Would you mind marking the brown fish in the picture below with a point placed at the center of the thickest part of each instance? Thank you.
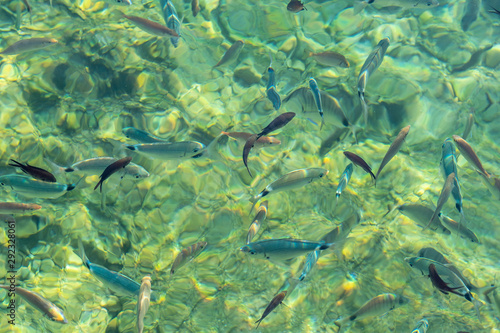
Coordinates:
(187, 254)
(17, 207)
(263, 141)
(272, 305)
(195, 7)
(295, 6)
(359, 162)
(394, 148)
(111, 169)
(151, 27)
(469, 154)
(443, 197)
(246, 150)
(34, 172)
(439, 283)
(330, 58)
(30, 44)
(231, 53)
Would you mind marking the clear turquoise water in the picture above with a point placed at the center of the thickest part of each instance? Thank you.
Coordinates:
(70, 102)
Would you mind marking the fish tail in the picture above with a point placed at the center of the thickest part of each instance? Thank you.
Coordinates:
(322, 122)
(73, 186)
(130, 147)
(81, 250)
(258, 322)
(364, 106)
(16, 163)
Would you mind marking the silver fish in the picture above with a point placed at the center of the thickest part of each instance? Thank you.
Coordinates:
(271, 92)
(468, 125)
(141, 136)
(371, 64)
(95, 166)
(421, 327)
(186, 255)
(169, 150)
(263, 141)
(313, 85)
(171, 19)
(231, 54)
(34, 188)
(421, 215)
(259, 218)
(282, 249)
(27, 45)
(449, 165)
(393, 149)
(311, 260)
(17, 208)
(443, 197)
(330, 59)
(407, 4)
(344, 180)
(459, 228)
(143, 302)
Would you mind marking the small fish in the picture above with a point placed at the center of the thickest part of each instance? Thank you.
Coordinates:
(195, 7)
(421, 215)
(117, 282)
(471, 12)
(311, 260)
(283, 249)
(291, 180)
(34, 188)
(449, 165)
(443, 197)
(469, 154)
(95, 166)
(272, 305)
(377, 306)
(141, 136)
(187, 254)
(259, 218)
(151, 27)
(27, 45)
(143, 302)
(40, 303)
(231, 54)
(313, 85)
(344, 180)
(468, 125)
(330, 59)
(393, 149)
(169, 150)
(271, 92)
(408, 4)
(246, 151)
(17, 208)
(35, 172)
(359, 162)
(263, 141)
(111, 169)
(295, 6)
(421, 327)
(371, 64)
(333, 140)
(171, 19)
(459, 228)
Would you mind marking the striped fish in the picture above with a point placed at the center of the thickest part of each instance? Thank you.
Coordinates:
(271, 92)
(171, 19)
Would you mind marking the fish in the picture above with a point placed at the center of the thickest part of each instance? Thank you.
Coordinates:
(34, 188)
(120, 284)
(168, 150)
(246, 151)
(469, 154)
(421, 327)
(27, 45)
(263, 141)
(293, 179)
(393, 149)
(39, 302)
(143, 302)
(141, 136)
(303, 100)
(471, 12)
(257, 221)
(17, 207)
(468, 125)
(442, 286)
(344, 180)
(195, 7)
(28, 8)
(271, 92)
(459, 228)
(449, 165)
(443, 197)
(35, 172)
(187, 254)
(171, 19)
(311, 260)
(494, 10)
(341, 231)
(492, 183)
(330, 59)
(359, 162)
(231, 54)
(115, 2)
(313, 85)
(295, 6)
(371, 64)
(151, 27)
(407, 4)
(111, 169)
(95, 166)
(282, 249)
(271, 306)
(377, 306)
(332, 140)
(421, 215)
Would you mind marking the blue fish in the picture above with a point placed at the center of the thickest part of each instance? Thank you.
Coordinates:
(311, 260)
(171, 19)
(271, 92)
(344, 180)
(141, 136)
(313, 85)
(283, 249)
(449, 166)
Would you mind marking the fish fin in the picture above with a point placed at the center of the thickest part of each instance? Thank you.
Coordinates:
(359, 6)
(364, 106)
(312, 121)
(16, 164)
(322, 123)
(130, 147)
(390, 209)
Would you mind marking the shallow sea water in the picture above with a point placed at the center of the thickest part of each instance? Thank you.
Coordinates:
(70, 102)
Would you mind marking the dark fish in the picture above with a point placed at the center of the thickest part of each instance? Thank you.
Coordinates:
(359, 162)
(34, 172)
(246, 150)
(394, 148)
(494, 10)
(111, 169)
(295, 6)
(439, 283)
(272, 305)
(231, 53)
(151, 27)
(195, 7)
(471, 13)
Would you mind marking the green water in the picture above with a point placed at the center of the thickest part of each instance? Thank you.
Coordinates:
(70, 101)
